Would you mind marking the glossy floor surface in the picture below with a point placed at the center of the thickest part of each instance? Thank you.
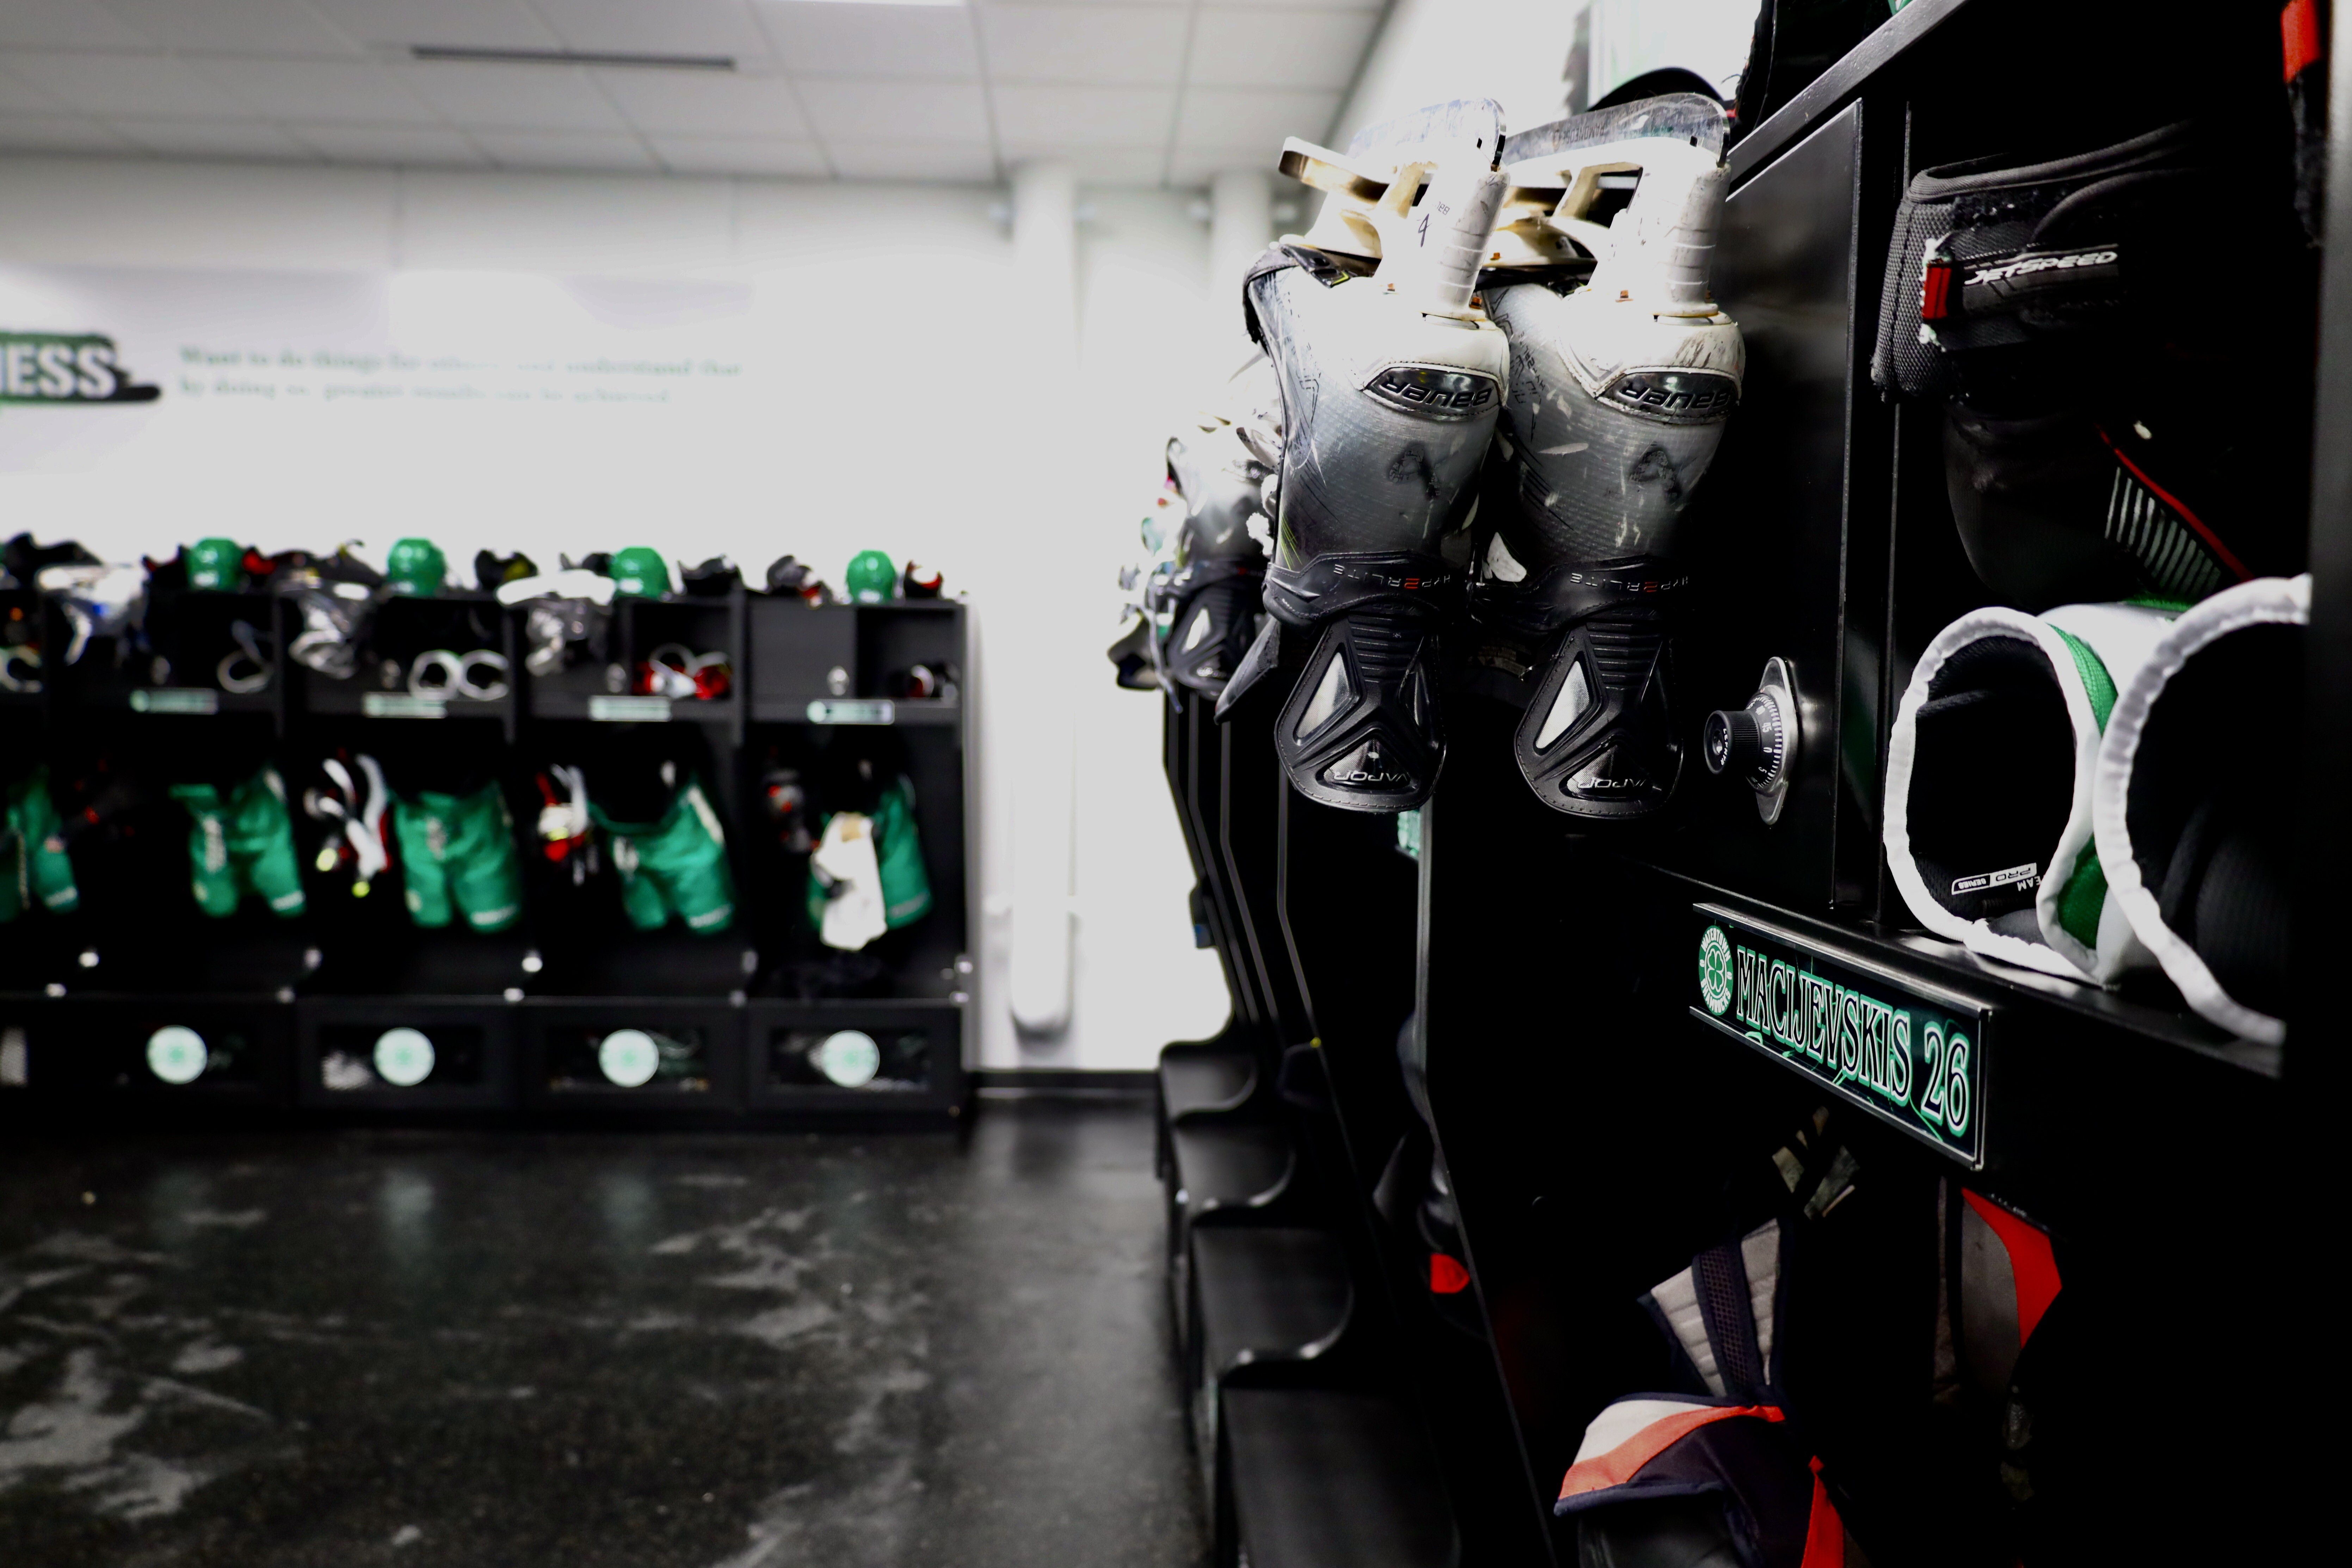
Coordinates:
(508, 1350)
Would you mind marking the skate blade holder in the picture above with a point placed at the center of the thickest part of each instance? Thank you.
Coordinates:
(1758, 743)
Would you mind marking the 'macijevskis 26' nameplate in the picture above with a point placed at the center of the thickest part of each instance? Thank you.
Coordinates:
(1909, 1055)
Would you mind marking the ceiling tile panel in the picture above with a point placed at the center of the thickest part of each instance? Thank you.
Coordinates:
(564, 150)
(353, 91)
(657, 26)
(214, 139)
(17, 93)
(145, 85)
(1199, 166)
(1279, 48)
(741, 155)
(57, 133)
(231, 27)
(1103, 165)
(417, 146)
(1036, 119)
(463, 23)
(815, 38)
(61, 24)
(1087, 45)
(894, 112)
(969, 165)
(702, 103)
(534, 98)
(1218, 118)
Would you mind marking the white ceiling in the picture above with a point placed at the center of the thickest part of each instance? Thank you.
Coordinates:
(1157, 92)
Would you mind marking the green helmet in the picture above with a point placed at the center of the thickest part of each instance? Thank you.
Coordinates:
(872, 578)
(215, 566)
(640, 572)
(415, 566)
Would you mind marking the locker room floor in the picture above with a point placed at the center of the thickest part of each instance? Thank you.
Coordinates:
(506, 1349)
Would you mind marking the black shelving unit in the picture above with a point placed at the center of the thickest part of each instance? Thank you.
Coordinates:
(323, 1014)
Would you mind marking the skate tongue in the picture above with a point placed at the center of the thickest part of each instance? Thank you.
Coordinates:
(1361, 730)
(1598, 737)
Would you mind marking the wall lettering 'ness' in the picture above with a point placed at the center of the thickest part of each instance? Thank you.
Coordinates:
(1855, 1038)
(65, 367)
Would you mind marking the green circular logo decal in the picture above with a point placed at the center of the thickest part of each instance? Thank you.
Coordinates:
(404, 1057)
(629, 1057)
(1715, 971)
(177, 1054)
(849, 1058)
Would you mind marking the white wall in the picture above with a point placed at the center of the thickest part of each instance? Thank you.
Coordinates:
(883, 311)
(1512, 51)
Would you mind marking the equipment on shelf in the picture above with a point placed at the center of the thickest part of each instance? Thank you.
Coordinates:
(2199, 858)
(415, 567)
(640, 572)
(2086, 457)
(1621, 381)
(493, 572)
(865, 873)
(787, 575)
(352, 806)
(479, 674)
(919, 582)
(1391, 379)
(713, 579)
(1206, 606)
(567, 617)
(871, 578)
(35, 869)
(458, 856)
(677, 671)
(214, 566)
(1989, 772)
(240, 843)
(675, 866)
(99, 600)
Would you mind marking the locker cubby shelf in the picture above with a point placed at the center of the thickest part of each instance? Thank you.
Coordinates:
(513, 1019)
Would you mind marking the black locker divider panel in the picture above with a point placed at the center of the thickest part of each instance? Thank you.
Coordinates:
(1776, 558)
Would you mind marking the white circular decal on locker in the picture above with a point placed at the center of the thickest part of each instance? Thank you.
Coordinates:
(629, 1057)
(404, 1057)
(849, 1058)
(177, 1054)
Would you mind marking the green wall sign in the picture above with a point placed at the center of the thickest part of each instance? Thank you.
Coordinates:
(1912, 1057)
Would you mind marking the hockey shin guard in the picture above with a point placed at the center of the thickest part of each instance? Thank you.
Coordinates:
(1619, 392)
(1391, 384)
(1988, 785)
(2199, 850)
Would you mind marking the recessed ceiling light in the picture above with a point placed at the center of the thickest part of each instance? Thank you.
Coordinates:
(875, 2)
(573, 57)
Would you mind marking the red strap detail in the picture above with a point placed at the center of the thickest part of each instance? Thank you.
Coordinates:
(1935, 291)
(1446, 1275)
(2191, 519)
(1825, 1531)
(2032, 1262)
(1623, 1462)
(2299, 35)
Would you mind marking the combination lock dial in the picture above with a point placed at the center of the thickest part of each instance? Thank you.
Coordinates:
(1758, 743)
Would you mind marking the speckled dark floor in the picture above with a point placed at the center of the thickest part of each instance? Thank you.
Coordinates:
(511, 1349)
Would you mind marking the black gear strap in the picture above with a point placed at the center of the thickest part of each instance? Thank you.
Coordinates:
(1309, 594)
(1570, 592)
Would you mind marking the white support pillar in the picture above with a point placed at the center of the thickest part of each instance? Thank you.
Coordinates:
(1241, 222)
(1034, 683)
